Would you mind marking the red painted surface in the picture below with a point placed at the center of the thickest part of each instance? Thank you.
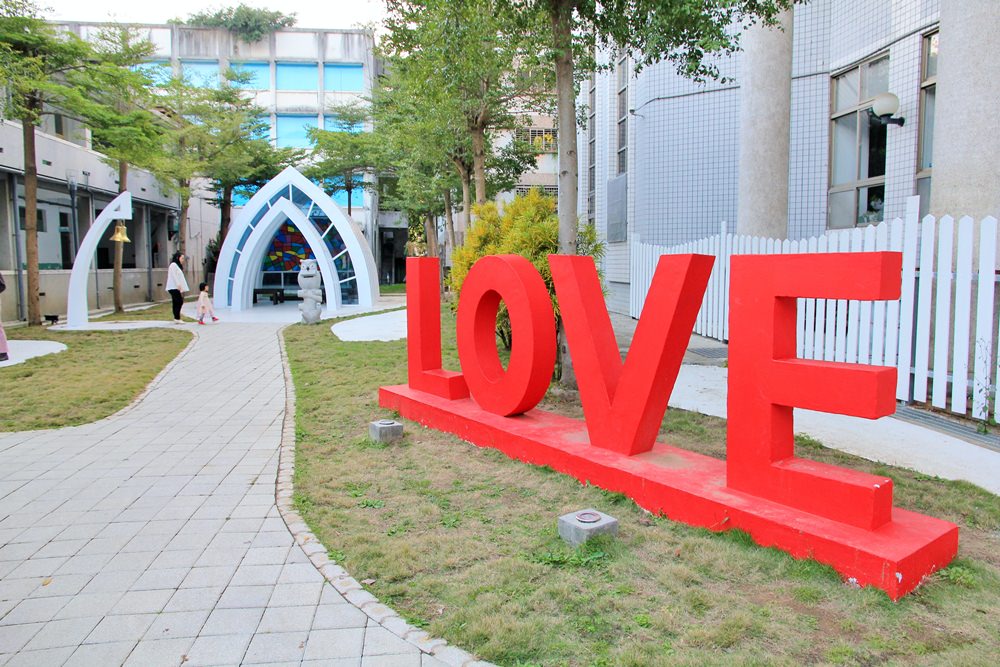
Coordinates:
(513, 279)
(766, 381)
(836, 516)
(624, 402)
(423, 330)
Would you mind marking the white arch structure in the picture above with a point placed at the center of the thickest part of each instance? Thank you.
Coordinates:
(250, 236)
(77, 315)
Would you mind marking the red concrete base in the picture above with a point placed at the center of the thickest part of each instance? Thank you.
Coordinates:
(691, 488)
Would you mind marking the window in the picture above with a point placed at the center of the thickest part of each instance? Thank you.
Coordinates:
(857, 147)
(928, 97)
(39, 217)
(334, 124)
(550, 190)
(344, 77)
(591, 148)
(201, 73)
(622, 78)
(258, 75)
(293, 131)
(59, 124)
(543, 139)
(158, 71)
(296, 76)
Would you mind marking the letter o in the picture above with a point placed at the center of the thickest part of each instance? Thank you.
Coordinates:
(512, 279)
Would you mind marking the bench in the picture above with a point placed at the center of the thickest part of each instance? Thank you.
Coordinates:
(276, 294)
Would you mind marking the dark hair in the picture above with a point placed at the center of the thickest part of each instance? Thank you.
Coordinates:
(202, 286)
(176, 258)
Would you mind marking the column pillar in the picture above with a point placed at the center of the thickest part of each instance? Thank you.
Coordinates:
(765, 115)
(966, 171)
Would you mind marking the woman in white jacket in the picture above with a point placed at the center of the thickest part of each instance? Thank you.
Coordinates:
(177, 284)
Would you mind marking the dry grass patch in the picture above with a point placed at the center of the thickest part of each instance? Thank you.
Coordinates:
(463, 541)
(100, 373)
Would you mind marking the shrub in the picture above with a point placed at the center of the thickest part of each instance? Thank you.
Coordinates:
(528, 226)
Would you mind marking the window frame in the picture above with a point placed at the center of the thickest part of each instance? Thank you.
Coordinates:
(924, 175)
(860, 107)
(621, 115)
(592, 150)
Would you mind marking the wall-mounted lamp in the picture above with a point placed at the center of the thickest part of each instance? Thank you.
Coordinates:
(883, 107)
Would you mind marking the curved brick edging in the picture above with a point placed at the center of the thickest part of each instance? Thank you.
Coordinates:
(341, 580)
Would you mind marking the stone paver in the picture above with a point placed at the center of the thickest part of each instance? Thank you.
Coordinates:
(152, 537)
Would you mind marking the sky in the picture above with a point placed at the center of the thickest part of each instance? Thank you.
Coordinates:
(309, 14)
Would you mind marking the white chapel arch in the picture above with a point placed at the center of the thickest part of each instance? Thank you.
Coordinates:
(252, 231)
(77, 314)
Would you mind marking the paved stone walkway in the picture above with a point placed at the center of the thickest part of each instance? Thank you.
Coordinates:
(152, 537)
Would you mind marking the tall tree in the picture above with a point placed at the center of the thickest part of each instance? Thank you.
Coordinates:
(44, 70)
(684, 32)
(486, 59)
(345, 155)
(239, 156)
(123, 128)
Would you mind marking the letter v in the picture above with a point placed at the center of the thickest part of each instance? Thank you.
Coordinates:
(624, 403)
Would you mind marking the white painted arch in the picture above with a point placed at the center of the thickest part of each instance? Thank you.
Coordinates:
(238, 268)
(77, 314)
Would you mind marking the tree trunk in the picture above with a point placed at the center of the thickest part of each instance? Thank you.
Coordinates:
(449, 219)
(225, 213)
(479, 162)
(562, 32)
(31, 215)
(182, 224)
(466, 177)
(348, 185)
(116, 280)
(430, 231)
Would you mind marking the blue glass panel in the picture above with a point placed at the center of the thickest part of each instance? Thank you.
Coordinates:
(257, 218)
(349, 292)
(243, 239)
(259, 75)
(301, 200)
(292, 130)
(357, 198)
(296, 76)
(346, 77)
(158, 71)
(345, 269)
(335, 244)
(319, 220)
(334, 124)
(229, 288)
(279, 195)
(232, 269)
(201, 73)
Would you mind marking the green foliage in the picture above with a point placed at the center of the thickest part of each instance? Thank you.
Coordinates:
(248, 23)
(342, 157)
(528, 226)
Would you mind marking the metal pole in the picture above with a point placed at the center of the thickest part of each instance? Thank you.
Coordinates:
(97, 274)
(147, 215)
(75, 235)
(21, 314)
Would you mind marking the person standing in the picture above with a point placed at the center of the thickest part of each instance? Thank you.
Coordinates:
(205, 304)
(177, 284)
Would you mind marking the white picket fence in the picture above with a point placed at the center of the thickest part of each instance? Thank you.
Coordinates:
(940, 335)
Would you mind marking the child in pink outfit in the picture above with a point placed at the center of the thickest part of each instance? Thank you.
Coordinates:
(205, 304)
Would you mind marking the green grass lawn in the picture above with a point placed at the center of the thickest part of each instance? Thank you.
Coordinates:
(100, 373)
(462, 541)
(399, 288)
(160, 311)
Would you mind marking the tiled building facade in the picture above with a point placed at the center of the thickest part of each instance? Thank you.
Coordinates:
(683, 139)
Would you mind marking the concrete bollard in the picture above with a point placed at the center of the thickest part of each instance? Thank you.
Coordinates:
(578, 527)
(385, 430)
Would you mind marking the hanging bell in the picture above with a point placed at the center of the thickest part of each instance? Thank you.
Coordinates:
(120, 234)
